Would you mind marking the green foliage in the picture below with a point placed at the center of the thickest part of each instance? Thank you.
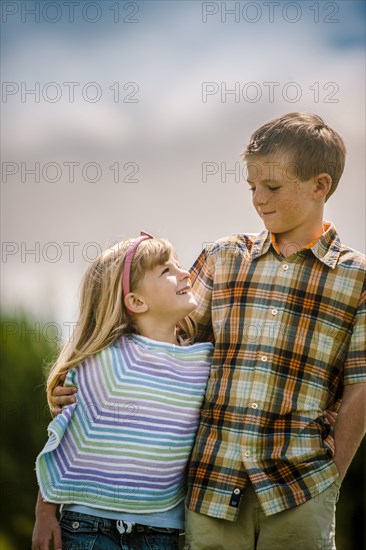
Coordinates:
(350, 520)
(26, 349)
(24, 419)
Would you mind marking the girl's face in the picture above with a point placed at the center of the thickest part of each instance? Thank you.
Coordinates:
(166, 290)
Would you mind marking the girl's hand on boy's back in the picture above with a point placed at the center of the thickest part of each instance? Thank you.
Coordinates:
(330, 417)
(63, 396)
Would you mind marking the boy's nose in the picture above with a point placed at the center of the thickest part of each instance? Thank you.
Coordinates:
(260, 197)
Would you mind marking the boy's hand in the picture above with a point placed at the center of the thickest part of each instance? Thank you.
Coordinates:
(62, 396)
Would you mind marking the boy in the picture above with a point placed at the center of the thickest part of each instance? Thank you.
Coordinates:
(286, 309)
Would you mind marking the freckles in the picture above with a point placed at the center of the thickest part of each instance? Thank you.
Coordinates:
(288, 205)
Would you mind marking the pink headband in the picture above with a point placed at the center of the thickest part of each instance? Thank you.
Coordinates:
(128, 261)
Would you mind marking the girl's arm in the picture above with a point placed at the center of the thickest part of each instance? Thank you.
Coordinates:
(47, 528)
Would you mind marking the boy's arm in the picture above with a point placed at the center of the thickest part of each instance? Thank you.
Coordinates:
(202, 285)
(350, 426)
(47, 528)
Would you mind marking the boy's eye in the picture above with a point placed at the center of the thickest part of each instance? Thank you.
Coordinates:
(251, 189)
(165, 270)
(273, 188)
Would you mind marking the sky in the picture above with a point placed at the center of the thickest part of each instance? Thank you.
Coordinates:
(126, 116)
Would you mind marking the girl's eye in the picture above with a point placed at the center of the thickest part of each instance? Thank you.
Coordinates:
(165, 270)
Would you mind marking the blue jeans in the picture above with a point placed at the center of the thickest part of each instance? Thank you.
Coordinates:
(84, 532)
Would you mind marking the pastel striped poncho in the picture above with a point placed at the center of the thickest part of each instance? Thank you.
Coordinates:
(126, 443)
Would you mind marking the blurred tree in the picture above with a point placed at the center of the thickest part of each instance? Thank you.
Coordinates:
(351, 507)
(26, 347)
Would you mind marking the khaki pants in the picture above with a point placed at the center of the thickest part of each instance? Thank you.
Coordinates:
(310, 526)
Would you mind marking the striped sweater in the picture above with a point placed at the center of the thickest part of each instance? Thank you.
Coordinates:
(126, 443)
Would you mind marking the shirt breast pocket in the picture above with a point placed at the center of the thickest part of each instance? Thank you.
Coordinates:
(328, 345)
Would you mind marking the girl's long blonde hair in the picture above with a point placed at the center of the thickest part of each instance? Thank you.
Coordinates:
(102, 315)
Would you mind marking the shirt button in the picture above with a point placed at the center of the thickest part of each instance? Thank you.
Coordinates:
(274, 311)
(254, 405)
(264, 358)
(285, 267)
(75, 525)
(236, 491)
(247, 453)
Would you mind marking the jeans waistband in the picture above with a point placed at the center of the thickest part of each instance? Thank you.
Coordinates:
(95, 522)
(130, 528)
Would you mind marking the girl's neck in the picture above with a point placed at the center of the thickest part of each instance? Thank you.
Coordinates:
(159, 333)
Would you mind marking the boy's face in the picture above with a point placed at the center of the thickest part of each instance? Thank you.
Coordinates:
(287, 205)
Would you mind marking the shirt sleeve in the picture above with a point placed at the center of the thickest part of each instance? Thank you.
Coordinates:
(355, 364)
(202, 284)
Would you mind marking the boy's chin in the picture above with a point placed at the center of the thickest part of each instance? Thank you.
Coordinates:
(271, 226)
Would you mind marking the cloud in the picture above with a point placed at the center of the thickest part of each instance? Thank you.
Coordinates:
(165, 60)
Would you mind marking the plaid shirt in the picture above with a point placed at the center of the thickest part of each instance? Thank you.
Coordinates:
(289, 332)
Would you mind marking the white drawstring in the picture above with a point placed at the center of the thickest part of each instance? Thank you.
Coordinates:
(120, 527)
(124, 526)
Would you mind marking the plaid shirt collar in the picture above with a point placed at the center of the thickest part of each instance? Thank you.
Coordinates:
(326, 249)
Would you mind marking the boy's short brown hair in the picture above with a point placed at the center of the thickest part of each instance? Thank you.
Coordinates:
(311, 145)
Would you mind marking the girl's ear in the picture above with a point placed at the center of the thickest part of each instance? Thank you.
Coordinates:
(135, 304)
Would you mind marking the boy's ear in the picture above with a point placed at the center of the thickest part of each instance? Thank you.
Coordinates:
(323, 183)
(135, 304)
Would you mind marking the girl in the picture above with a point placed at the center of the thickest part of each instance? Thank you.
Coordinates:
(116, 460)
